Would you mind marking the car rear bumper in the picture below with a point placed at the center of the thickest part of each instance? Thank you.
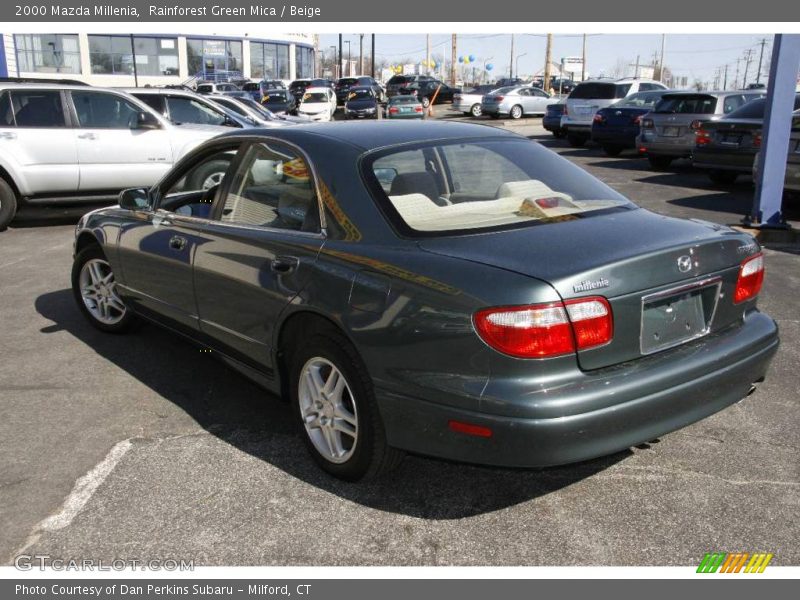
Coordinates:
(623, 136)
(551, 123)
(574, 124)
(465, 105)
(619, 407)
(677, 147)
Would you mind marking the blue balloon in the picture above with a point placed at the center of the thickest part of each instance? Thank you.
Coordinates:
(489, 67)
(461, 59)
(471, 58)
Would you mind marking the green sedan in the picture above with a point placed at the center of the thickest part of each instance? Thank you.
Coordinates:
(404, 107)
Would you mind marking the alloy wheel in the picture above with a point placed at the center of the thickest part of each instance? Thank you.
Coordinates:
(99, 292)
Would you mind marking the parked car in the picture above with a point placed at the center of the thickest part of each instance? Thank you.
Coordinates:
(72, 144)
(248, 108)
(616, 128)
(431, 90)
(590, 96)
(791, 185)
(508, 82)
(551, 120)
(667, 133)
(515, 102)
(184, 107)
(404, 107)
(253, 89)
(401, 84)
(209, 87)
(344, 84)
(726, 148)
(558, 85)
(298, 88)
(361, 103)
(318, 104)
(280, 102)
(405, 313)
(469, 101)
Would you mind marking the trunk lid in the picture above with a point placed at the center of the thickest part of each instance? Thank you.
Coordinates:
(625, 257)
(735, 133)
(621, 117)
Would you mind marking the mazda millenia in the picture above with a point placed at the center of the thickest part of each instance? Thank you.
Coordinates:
(448, 289)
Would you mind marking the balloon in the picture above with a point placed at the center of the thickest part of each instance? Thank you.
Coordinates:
(471, 58)
(461, 59)
(489, 67)
(466, 60)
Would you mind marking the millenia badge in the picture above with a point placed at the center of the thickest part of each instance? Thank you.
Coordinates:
(734, 562)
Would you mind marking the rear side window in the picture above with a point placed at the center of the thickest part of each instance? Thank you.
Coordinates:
(462, 187)
(35, 108)
(694, 104)
(6, 112)
(595, 91)
(640, 100)
(154, 101)
(189, 110)
(108, 111)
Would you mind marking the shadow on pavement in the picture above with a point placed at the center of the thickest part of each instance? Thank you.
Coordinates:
(243, 415)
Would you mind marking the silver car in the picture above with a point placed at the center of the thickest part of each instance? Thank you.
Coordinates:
(469, 101)
(590, 96)
(668, 132)
(516, 102)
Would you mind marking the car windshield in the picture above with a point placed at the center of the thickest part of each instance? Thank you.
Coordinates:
(250, 87)
(299, 83)
(600, 91)
(258, 108)
(347, 81)
(399, 79)
(695, 104)
(640, 100)
(466, 186)
(360, 95)
(275, 97)
(314, 97)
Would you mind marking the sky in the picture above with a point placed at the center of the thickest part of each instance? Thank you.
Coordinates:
(692, 55)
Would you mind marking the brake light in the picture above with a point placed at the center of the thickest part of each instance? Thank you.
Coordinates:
(544, 330)
(598, 118)
(757, 140)
(647, 124)
(393, 110)
(499, 98)
(637, 120)
(469, 429)
(702, 137)
(751, 278)
(417, 109)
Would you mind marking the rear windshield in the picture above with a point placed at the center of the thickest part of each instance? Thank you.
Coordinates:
(640, 100)
(360, 94)
(600, 91)
(399, 79)
(348, 81)
(404, 100)
(251, 87)
(694, 104)
(442, 188)
(300, 83)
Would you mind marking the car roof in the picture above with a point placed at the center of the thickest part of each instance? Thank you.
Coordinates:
(151, 90)
(317, 89)
(369, 136)
(53, 86)
(715, 93)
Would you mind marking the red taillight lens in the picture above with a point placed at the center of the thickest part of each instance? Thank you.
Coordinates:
(417, 109)
(751, 278)
(757, 140)
(598, 118)
(543, 330)
(469, 429)
(499, 98)
(702, 137)
(647, 124)
(637, 120)
(393, 110)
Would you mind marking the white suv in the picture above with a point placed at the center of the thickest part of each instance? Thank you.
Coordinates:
(590, 96)
(75, 143)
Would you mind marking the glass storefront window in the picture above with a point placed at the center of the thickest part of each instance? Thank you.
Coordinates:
(269, 61)
(207, 57)
(304, 58)
(51, 53)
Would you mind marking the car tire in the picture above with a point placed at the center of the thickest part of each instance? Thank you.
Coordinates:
(576, 141)
(8, 204)
(426, 102)
(659, 163)
(515, 112)
(476, 110)
(208, 175)
(612, 150)
(722, 177)
(101, 304)
(559, 134)
(360, 453)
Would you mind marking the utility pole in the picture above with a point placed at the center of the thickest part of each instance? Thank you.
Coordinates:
(747, 60)
(548, 57)
(736, 79)
(583, 60)
(760, 59)
(636, 70)
(428, 54)
(661, 61)
(725, 83)
(372, 58)
(360, 53)
(453, 63)
(339, 68)
(511, 65)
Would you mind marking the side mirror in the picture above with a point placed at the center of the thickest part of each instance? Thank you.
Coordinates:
(145, 120)
(135, 199)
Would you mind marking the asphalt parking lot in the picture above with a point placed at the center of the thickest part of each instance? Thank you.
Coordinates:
(143, 447)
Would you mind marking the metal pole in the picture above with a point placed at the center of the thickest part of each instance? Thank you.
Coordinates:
(517, 61)
(511, 64)
(747, 62)
(777, 129)
(583, 60)
(661, 61)
(372, 58)
(760, 60)
(427, 53)
(133, 57)
(339, 62)
(360, 53)
(548, 57)
(453, 63)
(725, 83)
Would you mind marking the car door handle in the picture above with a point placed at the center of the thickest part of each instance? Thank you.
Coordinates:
(8, 135)
(87, 136)
(284, 264)
(177, 242)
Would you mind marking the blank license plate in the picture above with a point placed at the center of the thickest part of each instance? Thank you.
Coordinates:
(668, 321)
(732, 139)
(671, 131)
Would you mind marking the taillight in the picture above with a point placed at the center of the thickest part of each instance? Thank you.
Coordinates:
(499, 98)
(417, 109)
(566, 112)
(637, 120)
(751, 278)
(647, 124)
(702, 137)
(393, 110)
(757, 140)
(543, 330)
(598, 118)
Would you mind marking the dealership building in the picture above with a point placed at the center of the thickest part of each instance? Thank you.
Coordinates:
(121, 60)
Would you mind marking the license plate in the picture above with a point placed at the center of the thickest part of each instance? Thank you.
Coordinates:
(584, 110)
(405, 109)
(671, 131)
(677, 316)
(731, 139)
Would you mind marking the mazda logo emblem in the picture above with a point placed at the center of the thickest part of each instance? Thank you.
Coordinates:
(685, 263)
